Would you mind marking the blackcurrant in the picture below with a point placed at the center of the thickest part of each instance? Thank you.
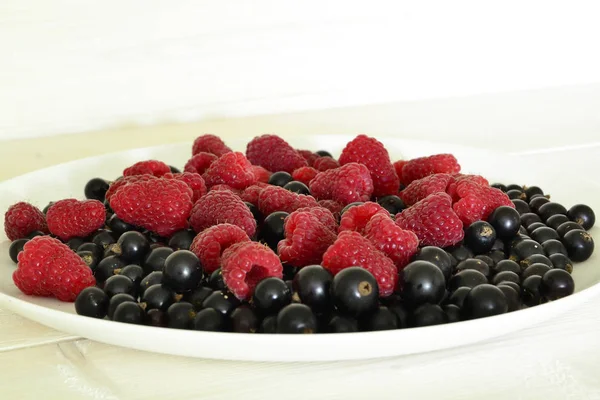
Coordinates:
(153, 278)
(133, 247)
(133, 272)
(516, 194)
(271, 295)
(535, 258)
(209, 320)
(534, 226)
(530, 291)
(393, 204)
(506, 276)
(215, 280)
(155, 261)
(324, 153)
(297, 187)
(96, 250)
(296, 318)
(554, 246)
(529, 218)
(15, 248)
(119, 226)
(452, 313)
(521, 206)
(513, 300)
(244, 320)
(507, 265)
(129, 312)
(536, 203)
(531, 191)
(280, 178)
(500, 186)
(526, 248)
(180, 315)
(114, 302)
(428, 315)
(255, 212)
(117, 284)
(461, 253)
(313, 285)
(182, 240)
(568, 226)
(475, 264)
(96, 189)
(156, 318)
(158, 296)
(556, 284)
(486, 259)
(342, 324)
(197, 297)
(544, 234)
(422, 282)
(349, 206)
(484, 301)
(381, 319)
(272, 229)
(458, 296)
(182, 271)
(355, 291)
(579, 245)
(505, 221)
(221, 301)
(551, 208)
(535, 269)
(107, 268)
(104, 238)
(268, 324)
(583, 215)
(561, 261)
(469, 278)
(92, 302)
(556, 220)
(75, 242)
(436, 256)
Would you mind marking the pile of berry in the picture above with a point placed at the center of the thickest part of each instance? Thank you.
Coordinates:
(280, 240)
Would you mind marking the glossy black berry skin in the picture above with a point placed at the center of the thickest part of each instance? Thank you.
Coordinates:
(506, 222)
(534, 226)
(155, 261)
(133, 272)
(271, 295)
(158, 296)
(422, 282)
(530, 291)
(527, 248)
(119, 226)
(486, 259)
(268, 325)
(521, 206)
(458, 296)
(583, 215)
(500, 186)
(215, 280)
(209, 320)
(280, 178)
(484, 301)
(180, 315)
(95, 189)
(244, 320)
(452, 313)
(579, 245)
(182, 271)
(506, 276)
(537, 202)
(554, 246)
(129, 312)
(349, 206)
(393, 204)
(461, 253)
(117, 284)
(222, 302)
(475, 264)
(436, 256)
(35, 234)
(561, 261)
(543, 234)
(480, 237)
(568, 226)
(174, 170)
(469, 278)
(556, 284)
(182, 240)
(15, 248)
(153, 278)
(507, 265)
(114, 302)
(96, 250)
(92, 302)
(255, 212)
(531, 191)
(271, 231)
(381, 319)
(535, 269)
(324, 153)
(104, 238)
(428, 315)
(342, 324)
(297, 187)
(556, 220)
(355, 291)
(529, 218)
(535, 259)
(313, 285)
(513, 300)
(75, 242)
(551, 208)
(133, 247)
(107, 267)
(296, 318)
(156, 318)
(197, 297)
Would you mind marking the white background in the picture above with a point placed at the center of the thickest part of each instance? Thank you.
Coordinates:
(70, 65)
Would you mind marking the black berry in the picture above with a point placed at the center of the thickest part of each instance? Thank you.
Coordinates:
(118, 284)
(469, 278)
(579, 244)
(115, 301)
(484, 301)
(182, 240)
(583, 215)
(556, 220)
(297, 187)
(521, 206)
(535, 269)
(382, 319)
(155, 261)
(507, 265)
(215, 280)
(129, 312)
(342, 324)
(355, 291)
(280, 178)
(428, 315)
(506, 221)
(119, 226)
(296, 318)
(96, 189)
(159, 297)
(436, 256)
(180, 315)
(107, 267)
(313, 285)
(561, 261)
(551, 208)
(554, 246)
(222, 302)
(393, 204)
(568, 226)
(197, 297)
(92, 302)
(474, 264)
(556, 284)
(244, 320)
(209, 320)
(544, 234)
(530, 291)
(15, 248)
(182, 271)
(422, 282)
(271, 231)
(506, 276)
(271, 295)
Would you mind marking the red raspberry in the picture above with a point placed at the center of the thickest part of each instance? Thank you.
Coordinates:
(149, 167)
(347, 184)
(457, 178)
(421, 188)
(304, 174)
(73, 218)
(231, 169)
(225, 187)
(418, 168)
(323, 215)
(210, 244)
(356, 218)
(274, 154)
(332, 206)
(351, 250)
(433, 220)
(275, 198)
(125, 181)
(48, 267)
(210, 144)
(23, 218)
(194, 181)
(477, 202)
(222, 206)
(199, 163)
(245, 264)
(398, 165)
(396, 243)
(251, 194)
(261, 174)
(306, 238)
(309, 156)
(325, 163)
(371, 152)
(159, 205)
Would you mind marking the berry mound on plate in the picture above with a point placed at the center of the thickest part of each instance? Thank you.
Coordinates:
(285, 240)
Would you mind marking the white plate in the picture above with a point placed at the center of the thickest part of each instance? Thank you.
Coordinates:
(67, 180)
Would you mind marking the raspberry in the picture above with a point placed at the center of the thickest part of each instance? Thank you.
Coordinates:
(325, 163)
(125, 181)
(398, 165)
(48, 267)
(194, 181)
(309, 156)
(371, 152)
(159, 205)
(304, 174)
(418, 168)
(457, 178)
(149, 167)
(245, 264)
(73, 218)
(347, 184)
(433, 220)
(306, 238)
(210, 244)
(351, 250)
(261, 174)
(323, 215)
(274, 154)
(333, 206)
(23, 218)
(231, 169)
(357, 217)
(199, 163)
(275, 198)
(222, 206)
(421, 188)
(396, 243)
(477, 202)
(225, 187)
(251, 194)
(209, 144)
